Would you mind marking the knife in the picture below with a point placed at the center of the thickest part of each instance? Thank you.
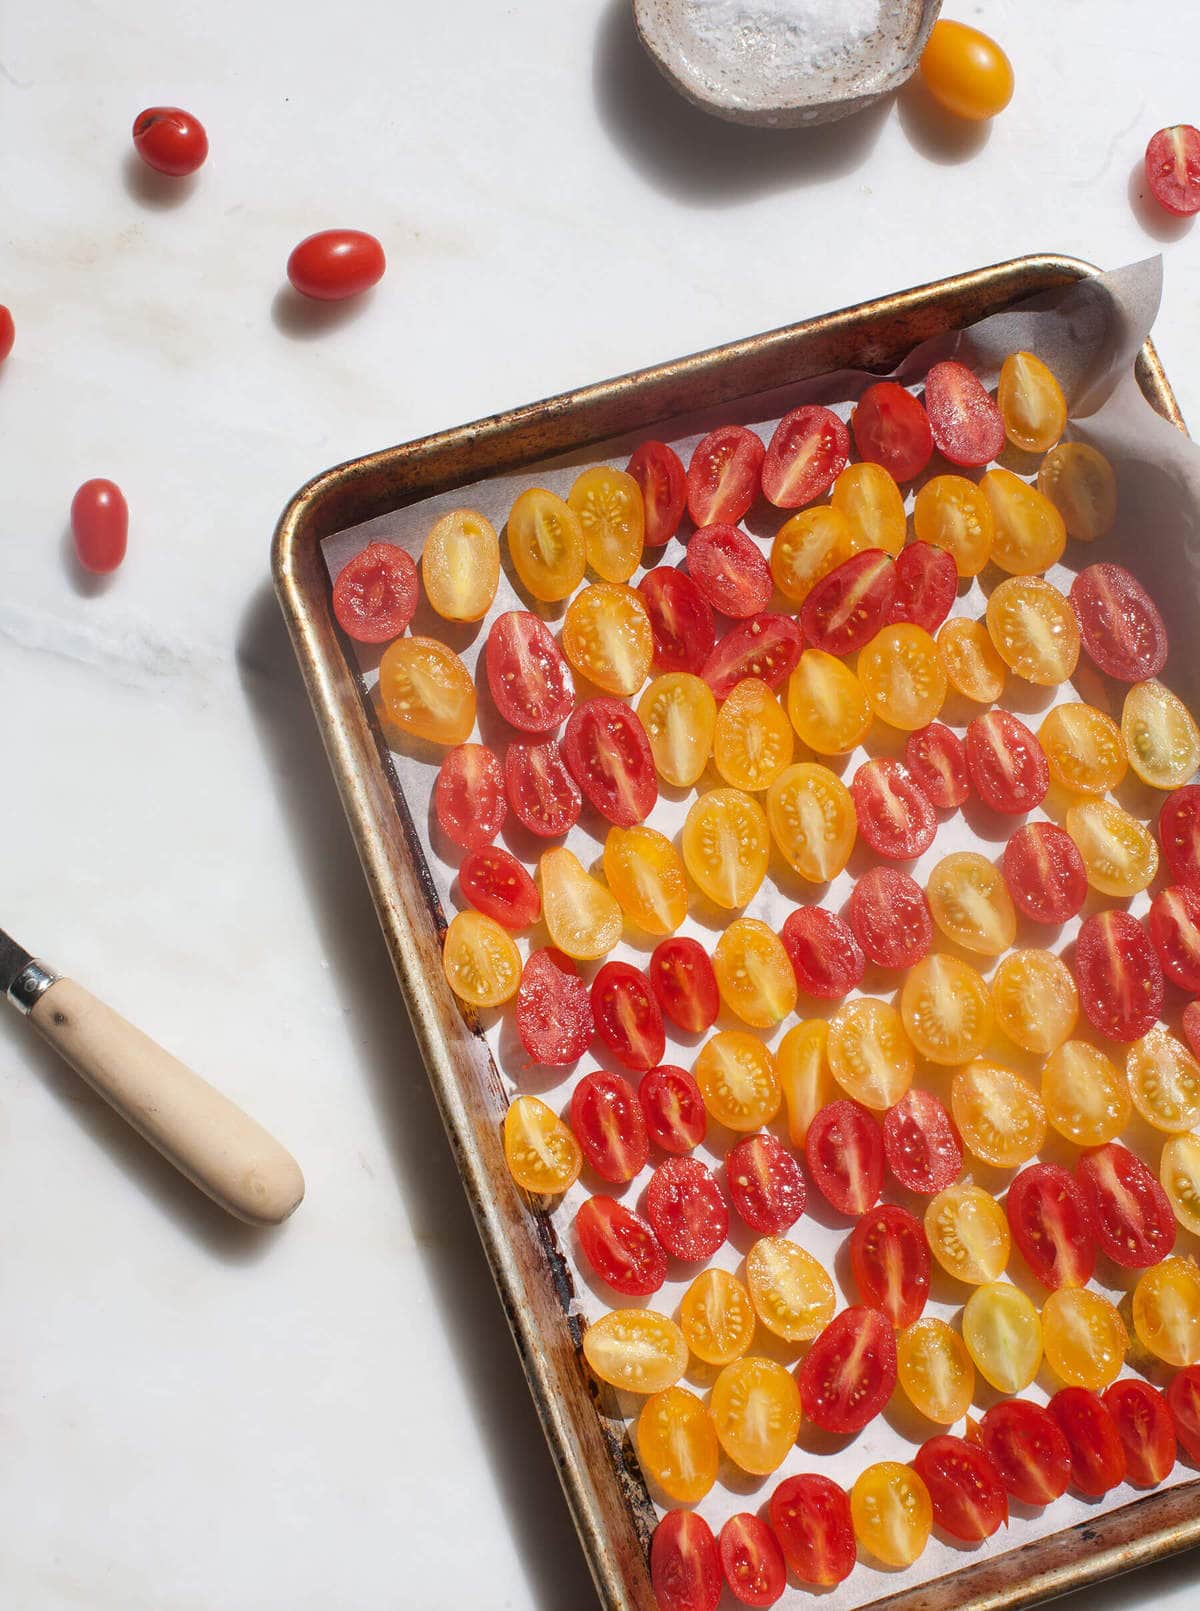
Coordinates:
(206, 1136)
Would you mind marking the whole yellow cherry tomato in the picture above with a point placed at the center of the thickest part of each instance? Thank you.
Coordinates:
(1164, 1081)
(1031, 403)
(902, 676)
(606, 636)
(812, 820)
(869, 1054)
(1119, 853)
(1084, 748)
(636, 1349)
(827, 705)
(950, 512)
(872, 502)
(1029, 532)
(1034, 629)
(679, 714)
(970, 903)
(1084, 1337)
(970, 660)
(1179, 1171)
(756, 980)
(737, 1079)
(542, 1155)
(891, 1512)
(427, 691)
(546, 545)
(998, 1113)
(645, 873)
(677, 1444)
(802, 1067)
(460, 565)
(717, 1317)
(1085, 1094)
(1082, 485)
(935, 1370)
(791, 1293)
(480, 961)
(609, 505)
(1166, 1311)
(965, 71)
(1003, 1334)
(968, 1234)
(946, 1008)
(1161, 739)
(755, 1406)
(752, 740)
(1036, 1001)
(725, 846)
(808, 546)
(582, 917)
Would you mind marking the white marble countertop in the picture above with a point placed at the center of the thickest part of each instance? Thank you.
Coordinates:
(193, 1415)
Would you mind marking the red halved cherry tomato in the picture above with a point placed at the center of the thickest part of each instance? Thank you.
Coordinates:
(766, 1184)
(926, 585)
(543, 795)
(468, 797)
(823, 951)
(375, 595)
(806, 455)
(846, 609)
(7, 332)
(965, 422)
(681, 620)
(1119, 623)
(937, 759)
(1049, 1221)
(1129, 1213)
(1183, 1400)
(1118, 973)
(336, 263)
(608, 754)
(844, 1154)
(766, 646)
(608, 1124)
(891, 428)
(684, 984)
(723, 477)
(620, 1247)
(627, 1016)
(1026, 1445)
(752, 1560)
(1173, 169)
(730, 570)
(890, 1259)
(889, 917)
(922, 1147)
(687, 1210)
(99, 526)
(685, 1569)
(1146, 1430)
(529, 679)
(1007, 764)
(1044, 872)
(849, 1372)
(494, 882)
(965, 1488)
(1097, 1454)
(170, 140)
(894, 815)
(554, 1011)
(1191, 1026)
(812, 1521)
(1174, 924)
(1179, 833)
(658, 472)
(673, 1108)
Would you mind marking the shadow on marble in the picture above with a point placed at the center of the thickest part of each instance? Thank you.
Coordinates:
(302, 318)
(474, 1325)
(161, 191)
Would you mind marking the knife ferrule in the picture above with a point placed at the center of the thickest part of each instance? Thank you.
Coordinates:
(30, 985)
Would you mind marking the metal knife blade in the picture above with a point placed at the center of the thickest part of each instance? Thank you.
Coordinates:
(14, 959)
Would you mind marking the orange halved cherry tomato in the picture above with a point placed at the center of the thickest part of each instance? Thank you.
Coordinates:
(754, 975)
(970, 903)
(1085, 1338)
(947, 1009)
(636, 1349)
(427, 691)
(717, 1317)
(1034, 629)
(755, 1406)
(1029, 535)
(1161, 738)
(791, 1293)
(870, 1056)
(1031, 403)
(971, 660)
(1035, 999)
(810, 545)
(1119, 854)
(968, 1234)
(812, 820)
(902, 676)
(736, 1075)
(892, 1513)
(1003, 1334)
(480, 960)
(935, 1370)
(546, 545)
(826, 704)
(1085, 1095)
(752, 737)
(582, 917)
(950, 512)
(677, 1444)
(609, 505)
(679, 714)
(998, 1113)
(725, 846)
(1084, 748)
(1080, 483)
(460, 565)
(543, 1156)
(645, 873)
(606, 637)
(870, 499)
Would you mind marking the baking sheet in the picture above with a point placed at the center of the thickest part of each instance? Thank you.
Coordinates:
(1090, 335)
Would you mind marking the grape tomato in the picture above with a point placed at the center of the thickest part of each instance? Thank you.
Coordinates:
(808, 546)
(1183, 1400)
(937, 760)
(1097, 1454)
(889, 917)
(969, 902)
(608, 754)
(554, 1010)
(334, 263)
(684, 984)
(686, 1207)
(546, 545)
(844, 1154)
(968, 1234)
(810, 1515)
(812, 820)
(966, 71)
(845, 609)
(870, 1055)
(681, 619)
(677, 1444)
(935, 1371)
(717, 1317)
(1118, 973)
(890, 1260)
(791, 1292)
(460, 565)
(756, 1407)
(736, 1074)
(543, 795)
(673, 1108)
(965, 1488)
(627, 1016)
(529, 680)
(608, 1124)
(724, 475)
(895, 817)
(903, 676)
(606, 637)
(926, 584)
(685, 1569)
(826, 704)
(1027, 1447)
(1081, 484)
(468, 797)
(765, 1183)
(870, 499)
(1166, 1311)
(427, 691)
(1129, 1212)
(620, 1247)
(1119, 622)
(730, 570)
(767, 646)
(645, 873)
(752, 737)
(1034, 629)
(170, 140)
(1164, 1081)
(892, 429)
(1049, 1222)
(494, 882)
(1084, 749)
(609, 505)
(807, 452)
(542, 1155)
(823, 951)
(892, 1512)
(480, 961)
(752, 1560)
(1146, 1430)
(1161, 738)
(754, 974)
(1028, 533)
(971, 660)
(950, 512)
(1044, 872)
(663, 482)
(1031, 403)
(922, 1148)
(679, 714)
(965, 422)
(374, 596)
(1179, 833)
(849, 1373)
(802, 1066)
(947, 1009)
(726, 846)
(1173, 169)
(1006, 763)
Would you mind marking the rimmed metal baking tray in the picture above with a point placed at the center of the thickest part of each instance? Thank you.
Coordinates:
(595, 1460)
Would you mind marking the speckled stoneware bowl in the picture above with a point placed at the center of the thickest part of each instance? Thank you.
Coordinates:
(739, 76)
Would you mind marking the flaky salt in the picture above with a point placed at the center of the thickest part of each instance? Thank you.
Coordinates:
(789, 35)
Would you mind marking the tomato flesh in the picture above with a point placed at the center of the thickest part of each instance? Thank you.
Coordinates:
(766, 646)
(1044, 872)
(1173, 169)
(812, 1521)
(685, 1569)
(1129, 1213)
(673, 1108)
(807, 453)
(609, 756)
(965, 422)
(335, 264)
(895, 816)
(1146, 1430)
(530, 681)
(620, 1247)
(494, 882)
(1183, 1400)
(543, 795)
(926, 586)
(844, 1154)
(965, 1488)
(890, 1259)
(730, 570)
(1007, 764)
(627, 1016)
(170, 140)
(608, 1124)
(1049, 1221)
(891, 428)
(375, 595)
(468, 797)
(889, 917)
(1120, 980)
(681, 620)
(752, 1560)
(723, 476)
(7, 332)
(554, 1010)
(1174, 924)
(920, 1142)
(824, 953)
(845, 609)
(849, 1372)
(766, 1184)
(658, 472)
(1179, 833)
(686, 1207)
(1097, 1454)
(1027, 1446)
(1119, 623)
(937, 760)
(684, 984)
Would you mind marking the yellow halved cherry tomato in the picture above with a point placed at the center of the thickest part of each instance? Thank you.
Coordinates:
(970, 660)
(756, 980)
(480, 961)
(726, 847)
(870, 1056)
(1166, 1311)
(546, 545)
(427, 691)
(935, 1370)
(460, 565)
(1161, 739)
(970, 903)
(998, 1113)
(950, 512)
(968, 1234)
(645, 873)
(581, 916)
(1003, 1334)
(812, 820)
(802, 1067)
(892, 1513)
(606, 636)
(808, 546)
(677, 1444)
(827, 705)
(636, 1349)
(1082, 485)
(752, 740)
(791, 1293)
(902, 676)
(1034, 629)
(1085, 1094)
(1084, 1337)
(609, 506)
(717, 1317)
(1179, 1171)
(965, 71)
(737, 1079)
(1084, 748)
(543, 1156)
(872, 502)
(755, 1406)
(679, 714)
(1029, 532)
(1164, 1082)
(1031, 403)
(1035, 999)
(946, 1009)
(1119, 853)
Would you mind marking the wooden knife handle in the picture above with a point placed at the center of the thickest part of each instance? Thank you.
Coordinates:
(205, 1135)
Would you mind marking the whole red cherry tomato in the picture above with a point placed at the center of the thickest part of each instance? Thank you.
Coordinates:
(1173, 169)
(170, 140)
(7, 332)
(99, 525)
(336, 263)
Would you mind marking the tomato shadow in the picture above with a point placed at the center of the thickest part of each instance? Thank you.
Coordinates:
(935, 132)
(160, 191)
(302, 318)
(1155, 220)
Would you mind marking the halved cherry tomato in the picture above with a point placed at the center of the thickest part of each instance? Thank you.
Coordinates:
(717, 1317)
(645, 873)
(869, 1054)
(1031, 403)
(608, 1124)
(543, 795)
(903, 677)
(685, 1568)
(609, 505)
(546, 545)
(811, 1518)
(752, 737)
(1027, 1447)
(966, 71)
(638, 1350)
(679, 714)
(1048, 1219)
(620, 1247)
(494, 882)
(1183, 1401)
(926, 583)
(808, 546)
(685, 1206)
(673, 1108)
(1044, 872)
(1166, 1311)
(627, 1016)
(480, 961)
(827, 705)
(460, 565)
(1161, 738)
(1164, 1082)
(1034, 630)
(971, 660)
(1003, 1334)
(791, 1292)
(606, 637)
(723, 476)
(846, 608)
(677, 1444)
(754, 973)
(1173, 169)
(1086, 1096)
(1119, 853)
(937, 760)
(681, 619)
(375, 594)
(947, 1009)
(529, 679)
(752, 1560)
(1036, 1002)
(807, 452)
(554, 1011)
(891, 428)
(1084, 748)
(657, 470)
(766, 1184)
(1129, 1212)
(811, 817)
(427, 691)
(890, 1260)
(730, 570)
(542, 1155)
(608, 754)
(468, 796)
(756, 1407)
(1080, 483)
(844, 1154)
(968, 1234)
(736, 1074)
(894, 815)
(849, 1372)
(870, 499)
(889, 917)
(823, 951)
(726, 846)
(969, 902)
(1120, 624)
(998, 1114)
(1190, 1023)
(1179, 833)
(935, 1370)
(950, 512)
(1174, 924)
(965, 1488)
(1029, 534)
(1007, 765)
(966, 424)
(1097, 1454)
(1146, 1431)
(684, 984)
(1118, 974)
(891, 1511)
(922, 1149)
(766, 646)
(803, 1069)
